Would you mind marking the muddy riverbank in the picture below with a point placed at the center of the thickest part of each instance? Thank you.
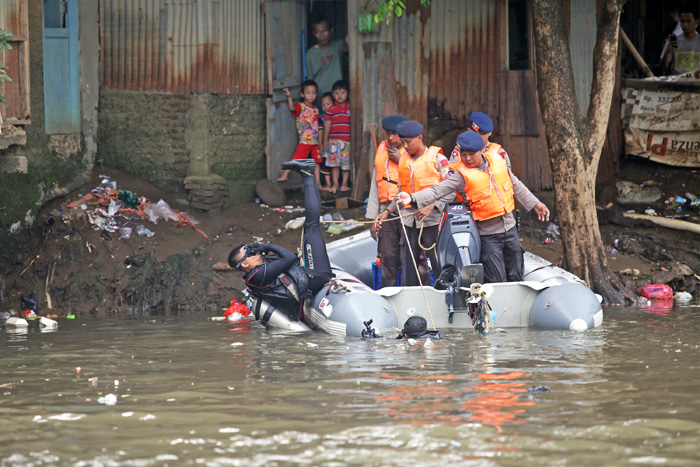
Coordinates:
(75, 269)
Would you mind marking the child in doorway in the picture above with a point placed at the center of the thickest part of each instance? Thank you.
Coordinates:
(336, 136)
(326, 103)
(306, 115)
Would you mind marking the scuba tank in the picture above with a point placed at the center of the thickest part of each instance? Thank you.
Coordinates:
(270, 316)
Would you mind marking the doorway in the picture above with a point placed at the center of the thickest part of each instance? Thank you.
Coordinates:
(61, 69)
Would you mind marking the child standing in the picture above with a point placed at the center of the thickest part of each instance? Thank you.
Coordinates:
(336, 136)
(306, 115)
(326, 103)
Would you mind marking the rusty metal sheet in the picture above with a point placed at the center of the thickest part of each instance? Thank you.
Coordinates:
(198, 46)
(449, 60)
(584, 26)
(466, 38)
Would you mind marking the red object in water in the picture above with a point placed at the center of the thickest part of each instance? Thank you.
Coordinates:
(657, 291)
(237, 306)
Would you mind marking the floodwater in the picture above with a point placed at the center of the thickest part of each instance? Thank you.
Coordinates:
(190, 391)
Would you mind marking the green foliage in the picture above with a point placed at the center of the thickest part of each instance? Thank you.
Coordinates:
(390, 8)
(5, 38)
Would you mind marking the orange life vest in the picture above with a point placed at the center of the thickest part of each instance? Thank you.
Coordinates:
(490, 194)
(422, 173)
(387, 173)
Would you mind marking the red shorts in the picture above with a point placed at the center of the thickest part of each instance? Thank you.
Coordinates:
(304, 151)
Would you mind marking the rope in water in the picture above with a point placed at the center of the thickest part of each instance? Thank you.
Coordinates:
(415, 265)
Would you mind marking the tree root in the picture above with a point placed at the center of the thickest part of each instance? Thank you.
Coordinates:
(608, 284)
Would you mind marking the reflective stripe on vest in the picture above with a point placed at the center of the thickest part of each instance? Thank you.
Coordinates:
(387, 173)
(416, 175)
(489, 194)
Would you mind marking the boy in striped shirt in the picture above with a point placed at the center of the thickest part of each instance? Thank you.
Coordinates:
(336, 136)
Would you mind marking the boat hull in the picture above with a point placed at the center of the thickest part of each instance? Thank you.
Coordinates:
(552, 298)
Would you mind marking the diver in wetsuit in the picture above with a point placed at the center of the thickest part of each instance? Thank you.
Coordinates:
(277, 277)
(416, 327)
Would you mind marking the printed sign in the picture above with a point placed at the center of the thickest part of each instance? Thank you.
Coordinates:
(662, 125)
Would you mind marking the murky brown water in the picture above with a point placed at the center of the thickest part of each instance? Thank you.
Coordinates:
(192, 391)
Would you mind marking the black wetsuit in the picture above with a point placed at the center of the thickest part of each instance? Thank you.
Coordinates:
(271, 280)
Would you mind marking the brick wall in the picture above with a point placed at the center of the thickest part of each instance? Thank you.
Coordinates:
(165, 137)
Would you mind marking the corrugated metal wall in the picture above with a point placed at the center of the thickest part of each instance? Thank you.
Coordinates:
(409, 39)
(450, 60)
(465, 56)
(200, 46)
(583, 28)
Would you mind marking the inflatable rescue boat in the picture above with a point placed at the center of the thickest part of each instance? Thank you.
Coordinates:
(549, 298)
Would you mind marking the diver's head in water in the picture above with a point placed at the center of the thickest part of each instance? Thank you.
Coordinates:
(415, 326)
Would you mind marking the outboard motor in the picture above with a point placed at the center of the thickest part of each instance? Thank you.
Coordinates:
(458, 250)
(459, 243)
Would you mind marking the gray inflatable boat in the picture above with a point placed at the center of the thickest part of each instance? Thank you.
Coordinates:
(549, 298)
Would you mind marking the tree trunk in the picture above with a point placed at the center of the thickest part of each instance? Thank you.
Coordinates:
(575, 143)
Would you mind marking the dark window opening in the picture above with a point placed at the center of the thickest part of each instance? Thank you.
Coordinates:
(55, 13)
(518, 44)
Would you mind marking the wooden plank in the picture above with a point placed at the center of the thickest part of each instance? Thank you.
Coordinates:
(282, 21)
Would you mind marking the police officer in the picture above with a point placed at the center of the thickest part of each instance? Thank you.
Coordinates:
(279, 279)
(484, 181)
(480, 123)
(423, 168)
(384, 187)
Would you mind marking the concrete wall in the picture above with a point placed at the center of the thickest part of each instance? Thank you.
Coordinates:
(48, 166)
(165, 137)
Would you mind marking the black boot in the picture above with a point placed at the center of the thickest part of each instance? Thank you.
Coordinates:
(303, 166)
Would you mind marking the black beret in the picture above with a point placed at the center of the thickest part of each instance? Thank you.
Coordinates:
(390, 122)
(409, 129)
(479, 121)
(470, 141)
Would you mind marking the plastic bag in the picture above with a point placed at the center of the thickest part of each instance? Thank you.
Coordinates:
(160, 210)
(143, 230)
(657, 291)
(236, 307)
(125, 233)
(113, 208)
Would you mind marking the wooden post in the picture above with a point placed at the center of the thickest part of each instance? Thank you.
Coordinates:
(635, 54)
(378, 100)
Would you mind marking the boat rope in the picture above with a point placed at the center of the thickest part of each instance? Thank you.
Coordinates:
(420, 244)
(415, 265)
(558, 265)
(388, 219)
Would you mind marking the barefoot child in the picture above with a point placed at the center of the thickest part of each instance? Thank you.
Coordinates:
(306, 115)
(326, 103)
(336, 135)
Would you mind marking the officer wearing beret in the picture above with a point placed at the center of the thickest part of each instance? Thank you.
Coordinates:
(480, 123)
(485, 182)
(423, 168)
(383, 188)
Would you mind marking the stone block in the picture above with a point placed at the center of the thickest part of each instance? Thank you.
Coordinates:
(13, 164)
(10, 135)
